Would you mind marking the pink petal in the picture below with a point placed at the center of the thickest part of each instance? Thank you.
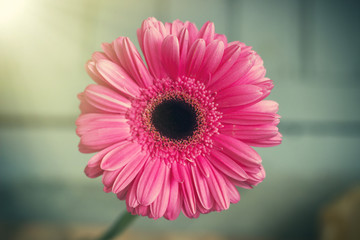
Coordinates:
(132, 62)
(109, 50)
(175, 172)
(207, 32)
(85, 106)
(131, 197)
(175, 199)
(230, 56)
(176, 27)
(201, 188)
(121, 156)
(128, 173)
(109, 178)
(99, 139)
(218, 189)
(222, 38)
(93, 73)
(249, 118)
(151, 182)
(202, 164)
(195, 57)
(94, 121)
(236, 72)
(233, 192)
(171, 56)
(238, 95)
(183, 49)
(250, 133)
(93, 172)
(159, 206)
(213, 55)
(188, 190)
(227, 165)
(116, 77)
(152, 52)
(106, 99)
(270, 142)
(237, 150)
(193, 31)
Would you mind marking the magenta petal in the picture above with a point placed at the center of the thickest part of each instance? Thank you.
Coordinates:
(93, 172)
(238, 96)
(237, 150)
(159, 206)
(270, 142)
(128, 173)
(132, 62)
(188, 190)
(109, 50)
(227, 165)
(131, 198)
(93, 121)
(151, 182)
(230, 57)
(193, 32)
(250, 132)
(202, 189)
(183, 49)
(236, 72)
(213, 55)
(195, 57)
(207, 32)
(171, 56)
(117, 77)
(152, 52)
(175, 200)
(234, 194)
(106, 99)
(218, 189)
(121, 156)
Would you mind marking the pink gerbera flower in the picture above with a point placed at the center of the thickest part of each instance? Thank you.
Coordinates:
(176, 135)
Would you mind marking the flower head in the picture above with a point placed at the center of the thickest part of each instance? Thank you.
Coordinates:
(176, 135)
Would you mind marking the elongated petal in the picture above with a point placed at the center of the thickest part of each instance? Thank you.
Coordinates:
(152, 52)
(236, 72)
(195, 57)
(151, 182)
(175, 200)
(218, 189)
(213, 55)
(207, 32)
(188, 190)
(159, 206)
(183, 49)
(132, 62)
(250, 133)
(227, 165)
(128, 173)
(237, 150)
(117, 77)
(171, 56)
(230, 56)
(93, 121)
(99, 139)
(202, 188)
(270, 142)
(106, 99)
(121, 156)
(238, 96)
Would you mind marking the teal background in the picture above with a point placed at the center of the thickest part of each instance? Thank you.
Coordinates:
(310, 50)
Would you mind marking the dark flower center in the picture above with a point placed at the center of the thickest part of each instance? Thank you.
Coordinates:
(175, 119)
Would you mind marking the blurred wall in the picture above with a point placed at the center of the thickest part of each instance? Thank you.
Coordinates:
(310, 49)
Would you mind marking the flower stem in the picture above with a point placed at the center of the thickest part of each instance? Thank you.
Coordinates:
(119, 226)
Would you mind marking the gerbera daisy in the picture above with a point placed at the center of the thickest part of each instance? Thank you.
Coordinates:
(175, 135)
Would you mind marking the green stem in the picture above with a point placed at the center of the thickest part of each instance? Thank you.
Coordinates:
(119, 226)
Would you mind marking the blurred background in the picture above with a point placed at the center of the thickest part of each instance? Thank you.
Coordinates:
(311, 51)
